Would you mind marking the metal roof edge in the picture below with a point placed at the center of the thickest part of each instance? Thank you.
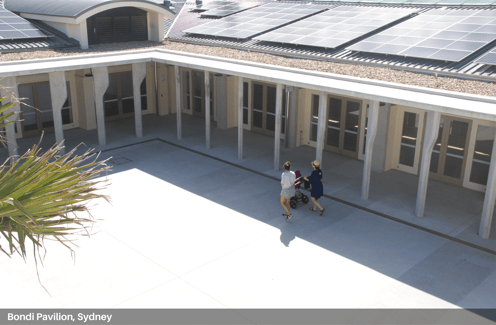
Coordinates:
(150, 54)
(351, 78)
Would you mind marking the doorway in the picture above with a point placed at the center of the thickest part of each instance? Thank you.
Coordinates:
(36, 109)
(450, 150)
(119, 97)
(264, 108)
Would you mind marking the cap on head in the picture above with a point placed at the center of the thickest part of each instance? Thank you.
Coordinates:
(316, 163)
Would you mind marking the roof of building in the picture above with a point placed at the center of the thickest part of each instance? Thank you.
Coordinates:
(466, 68)
(68, 8)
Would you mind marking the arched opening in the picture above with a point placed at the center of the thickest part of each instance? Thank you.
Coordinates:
(118, 25)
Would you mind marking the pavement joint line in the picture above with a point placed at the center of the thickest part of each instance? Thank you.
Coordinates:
(356, 206)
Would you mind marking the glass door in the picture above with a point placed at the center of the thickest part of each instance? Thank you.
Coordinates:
(198, 94)
(343, 125)
(410, 141)
(450, 150)
(264, 109)
(119, 97)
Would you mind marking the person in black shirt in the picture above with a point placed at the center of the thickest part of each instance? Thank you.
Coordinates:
(317, 188)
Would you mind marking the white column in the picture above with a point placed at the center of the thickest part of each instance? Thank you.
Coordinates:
(101, 82)
(489, 198)
(373, 114)
(240, 118)
(58, 92)
(139, 73)
(82, 30)
(207, 109)
(430, 137)
(178, 101)
(321, 127)
(277, 136)
(11, 90)
(156, 30)
(292, 118)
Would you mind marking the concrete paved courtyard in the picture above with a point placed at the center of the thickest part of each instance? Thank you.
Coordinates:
(190, 231)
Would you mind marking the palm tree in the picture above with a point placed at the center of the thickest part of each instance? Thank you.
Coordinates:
(44, 194)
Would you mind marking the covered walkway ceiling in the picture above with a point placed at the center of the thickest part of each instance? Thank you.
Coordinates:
(446, 102)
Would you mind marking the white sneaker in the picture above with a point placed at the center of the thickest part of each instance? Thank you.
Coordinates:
(289, 217)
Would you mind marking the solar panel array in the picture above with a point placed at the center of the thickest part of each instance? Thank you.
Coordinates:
(228, 10)
(337, 26)
(488, 58)
(439, 34)
(15, 27)
(426, 2)
(212, 5)
(257, 20)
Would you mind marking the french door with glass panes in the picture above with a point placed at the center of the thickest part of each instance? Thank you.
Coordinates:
(479, 154)
(198, 85)
(36, 109)
(410, 140)
(193, 92)
(119, 97)
(264, 108)
(343, 124)
(449, 155)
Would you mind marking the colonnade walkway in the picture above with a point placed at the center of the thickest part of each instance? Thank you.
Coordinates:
(191, 227)
(450, 210)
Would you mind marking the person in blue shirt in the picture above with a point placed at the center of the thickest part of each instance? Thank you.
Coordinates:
(317, 188)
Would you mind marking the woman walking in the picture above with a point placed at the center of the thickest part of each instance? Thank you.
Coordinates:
(317, 188)
(288, 191)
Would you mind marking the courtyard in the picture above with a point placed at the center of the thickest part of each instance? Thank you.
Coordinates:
(191, 227)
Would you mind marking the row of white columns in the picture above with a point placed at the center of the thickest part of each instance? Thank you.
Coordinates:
(101, 81)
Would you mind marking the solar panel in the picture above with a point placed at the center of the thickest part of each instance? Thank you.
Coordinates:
(211, 5)
(337, 26)
(439, 34)
(255, 21)
(488, 58)
(15, 27)
(228, 10)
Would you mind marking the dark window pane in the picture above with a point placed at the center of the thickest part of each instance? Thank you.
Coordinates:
(111, 109)
(127, 85)
(456, 149)
(128, 106)
(257, 97)
(351, 125)
(437, 148)
(482, 154)
(67, 116)
(315, 107)
(245, 95)
(257, 119)
(313, 132)
(271, 99)
(143, 87)
(271, 122)
(111, 92)
(144, 103)
(334, 122)
(409, 139)
(245, 116)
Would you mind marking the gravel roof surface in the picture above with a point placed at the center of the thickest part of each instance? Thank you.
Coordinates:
(355, 70)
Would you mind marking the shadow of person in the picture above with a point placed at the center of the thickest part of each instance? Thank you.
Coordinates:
(287, 235)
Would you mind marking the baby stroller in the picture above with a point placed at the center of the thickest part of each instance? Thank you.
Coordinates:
(299, 197)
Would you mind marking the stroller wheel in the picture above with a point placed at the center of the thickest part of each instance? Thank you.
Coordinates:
(304, 199)
(292, 204)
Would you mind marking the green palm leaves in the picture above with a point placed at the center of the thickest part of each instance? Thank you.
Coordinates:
(42, 195)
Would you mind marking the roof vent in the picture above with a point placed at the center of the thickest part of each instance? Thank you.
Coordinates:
(167, 3)
(199, 2)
